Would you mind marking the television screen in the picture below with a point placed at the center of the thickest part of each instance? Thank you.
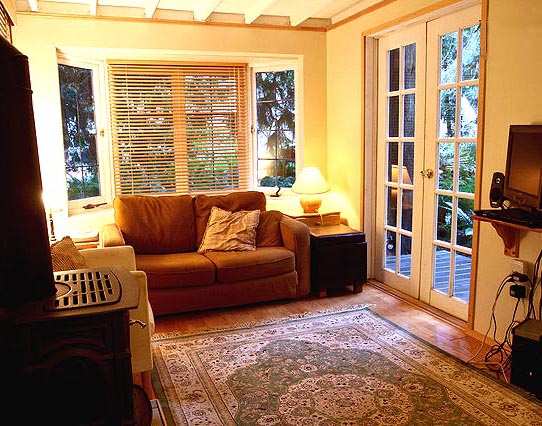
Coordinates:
(523, 175)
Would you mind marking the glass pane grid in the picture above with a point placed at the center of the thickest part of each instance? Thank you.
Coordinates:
(400, 164)
(456, 142)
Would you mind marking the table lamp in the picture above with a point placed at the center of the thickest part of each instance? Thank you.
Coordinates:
(310, 183)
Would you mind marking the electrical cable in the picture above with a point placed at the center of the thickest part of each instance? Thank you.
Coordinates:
(499, 349)
(321, 216)
(503, 350)
(535, 282)
(499, 290)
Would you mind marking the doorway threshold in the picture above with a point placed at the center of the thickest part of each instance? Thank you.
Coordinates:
(444, 316)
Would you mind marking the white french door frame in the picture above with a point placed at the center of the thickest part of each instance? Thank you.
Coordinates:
(445, 301)
(401, 219)
(370, 55)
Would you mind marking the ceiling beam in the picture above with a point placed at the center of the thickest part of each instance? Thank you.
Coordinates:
(204, 9)
(33, 5)
(92, 6)
(304, 13)
(257, 8)
(150, 8)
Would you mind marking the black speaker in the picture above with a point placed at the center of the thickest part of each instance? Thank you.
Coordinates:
(496, 196)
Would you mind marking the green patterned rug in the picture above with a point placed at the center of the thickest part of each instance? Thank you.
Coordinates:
(344, 368)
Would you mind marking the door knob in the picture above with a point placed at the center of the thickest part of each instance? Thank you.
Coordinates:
(428, 173)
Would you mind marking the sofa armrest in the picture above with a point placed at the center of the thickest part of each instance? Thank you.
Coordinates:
(140, 337)
(296, 237)
(110, 256)
(111, 235)
(142, 329)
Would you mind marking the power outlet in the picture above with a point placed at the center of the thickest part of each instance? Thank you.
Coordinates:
(517, 265)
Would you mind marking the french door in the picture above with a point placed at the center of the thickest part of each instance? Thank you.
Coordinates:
(401, 112)
(427, 134)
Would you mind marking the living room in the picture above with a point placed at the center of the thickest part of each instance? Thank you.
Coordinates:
(336, 122)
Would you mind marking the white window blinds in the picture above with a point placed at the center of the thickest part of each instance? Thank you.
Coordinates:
(179, 128)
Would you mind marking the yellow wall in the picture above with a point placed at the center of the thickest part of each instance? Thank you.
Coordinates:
(38, 37)
(514, 94)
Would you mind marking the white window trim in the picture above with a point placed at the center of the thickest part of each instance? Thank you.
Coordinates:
(297, 67)
(103, 144)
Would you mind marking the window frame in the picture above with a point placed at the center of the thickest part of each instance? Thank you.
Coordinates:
(103, 146)
(285, 65)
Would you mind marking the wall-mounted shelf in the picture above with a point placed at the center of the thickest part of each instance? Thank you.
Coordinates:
(509, 232)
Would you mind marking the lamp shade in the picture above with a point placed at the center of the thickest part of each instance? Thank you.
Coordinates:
(310, 181)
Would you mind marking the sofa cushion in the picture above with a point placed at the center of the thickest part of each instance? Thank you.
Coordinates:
(65, 256)
(247, 200)
(268, 231)
(230, 230)
(176, 269)
(248, 265)
(157, 224)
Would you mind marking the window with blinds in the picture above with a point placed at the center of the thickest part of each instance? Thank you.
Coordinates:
(5, 23)
(179, 128)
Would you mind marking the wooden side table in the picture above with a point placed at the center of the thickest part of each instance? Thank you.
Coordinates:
(338, 258)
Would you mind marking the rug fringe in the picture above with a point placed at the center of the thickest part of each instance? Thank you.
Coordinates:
(307, 314)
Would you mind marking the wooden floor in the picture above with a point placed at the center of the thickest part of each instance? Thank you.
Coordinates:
(446, 334)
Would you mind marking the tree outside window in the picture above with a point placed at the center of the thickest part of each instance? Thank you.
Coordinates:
(79, 128)
(275, 128)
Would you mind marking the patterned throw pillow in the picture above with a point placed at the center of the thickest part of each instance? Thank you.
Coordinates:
(230, 231)
(65, 256)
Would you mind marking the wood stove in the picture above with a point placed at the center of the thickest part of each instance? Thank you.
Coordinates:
(74, 350)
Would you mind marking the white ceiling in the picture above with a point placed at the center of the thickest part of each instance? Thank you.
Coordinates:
(289, 13)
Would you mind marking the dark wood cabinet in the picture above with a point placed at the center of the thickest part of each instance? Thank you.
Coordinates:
(338, 258)
(74, 361)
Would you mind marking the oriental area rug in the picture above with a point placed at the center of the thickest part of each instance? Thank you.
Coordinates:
(343, 368)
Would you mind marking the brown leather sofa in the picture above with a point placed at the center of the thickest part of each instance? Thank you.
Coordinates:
(166, 231)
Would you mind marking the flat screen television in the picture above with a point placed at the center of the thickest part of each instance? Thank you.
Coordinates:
(523, 174)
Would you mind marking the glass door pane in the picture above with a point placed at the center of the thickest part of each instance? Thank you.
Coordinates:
(400, 131)
(401, 112)
(455, 149)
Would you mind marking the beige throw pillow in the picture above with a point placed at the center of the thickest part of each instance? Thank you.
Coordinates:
(230, 231)
(65, 256)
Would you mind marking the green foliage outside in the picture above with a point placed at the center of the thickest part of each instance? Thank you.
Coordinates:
(461, 156)
(275, 104)
(79, 129)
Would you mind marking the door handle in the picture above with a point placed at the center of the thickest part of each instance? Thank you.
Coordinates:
(138, 322)
(428, 173)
